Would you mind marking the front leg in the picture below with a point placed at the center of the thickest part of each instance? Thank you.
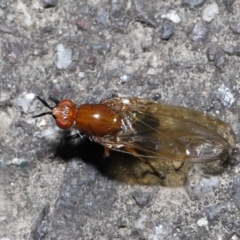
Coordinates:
(106, 152)
(145, 160)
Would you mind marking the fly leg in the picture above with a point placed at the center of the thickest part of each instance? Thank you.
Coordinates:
(73, 136)
(145, 160)
(76, 135)
(106, 152)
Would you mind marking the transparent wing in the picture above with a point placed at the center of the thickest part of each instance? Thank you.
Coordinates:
(155, 130)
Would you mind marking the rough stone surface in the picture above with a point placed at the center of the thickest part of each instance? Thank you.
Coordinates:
(89, 50)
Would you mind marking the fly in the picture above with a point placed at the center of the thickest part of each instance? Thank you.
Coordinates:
(147, 129)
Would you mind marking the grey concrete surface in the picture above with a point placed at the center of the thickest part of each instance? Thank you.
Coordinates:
(178, 52)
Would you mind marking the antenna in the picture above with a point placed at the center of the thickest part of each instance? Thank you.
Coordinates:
(46, 105)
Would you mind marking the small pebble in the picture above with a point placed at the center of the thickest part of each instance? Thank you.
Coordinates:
(237, 49)
(196, 185)
(102, 48)
(141, 198)
(229, 5)
(124, 79)
(211, 53)
(24, 101)
(199, 33)
(235, 26)
(209, 12)
(151, 71)
(236, 192)
(167, 30)
(225, 96)
(193, 3)
(3, 4)
(49, 3)
(172, 16)
(213, 211)
(220, 61)
(24, 10)
(81, 24)
(202, 222)
(228, 49)
(64, 56)
(141, 221)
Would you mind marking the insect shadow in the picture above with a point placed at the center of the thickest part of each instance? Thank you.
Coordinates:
(126, 167)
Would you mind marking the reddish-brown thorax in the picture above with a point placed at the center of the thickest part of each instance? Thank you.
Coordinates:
(97, 119)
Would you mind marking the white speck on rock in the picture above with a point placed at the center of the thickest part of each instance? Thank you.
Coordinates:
(225, 95)
(198, 185)
(151, 71)
(42, 123)
(210, 11)
(202, 222)
(18, 161)
(36, 5)
(64, 56)
(172, 16)
(141, 222)
(81, 75)
(160, 230)
(22, 8)
(124, 79)
(49, 133)
(24, 101)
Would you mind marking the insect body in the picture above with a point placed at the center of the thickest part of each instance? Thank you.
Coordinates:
(148, 129)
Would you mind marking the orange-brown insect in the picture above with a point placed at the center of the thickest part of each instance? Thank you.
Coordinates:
(146, 128)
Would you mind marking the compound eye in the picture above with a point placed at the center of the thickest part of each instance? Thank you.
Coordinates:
(63, 123)
(66, 102)
(64, 114)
